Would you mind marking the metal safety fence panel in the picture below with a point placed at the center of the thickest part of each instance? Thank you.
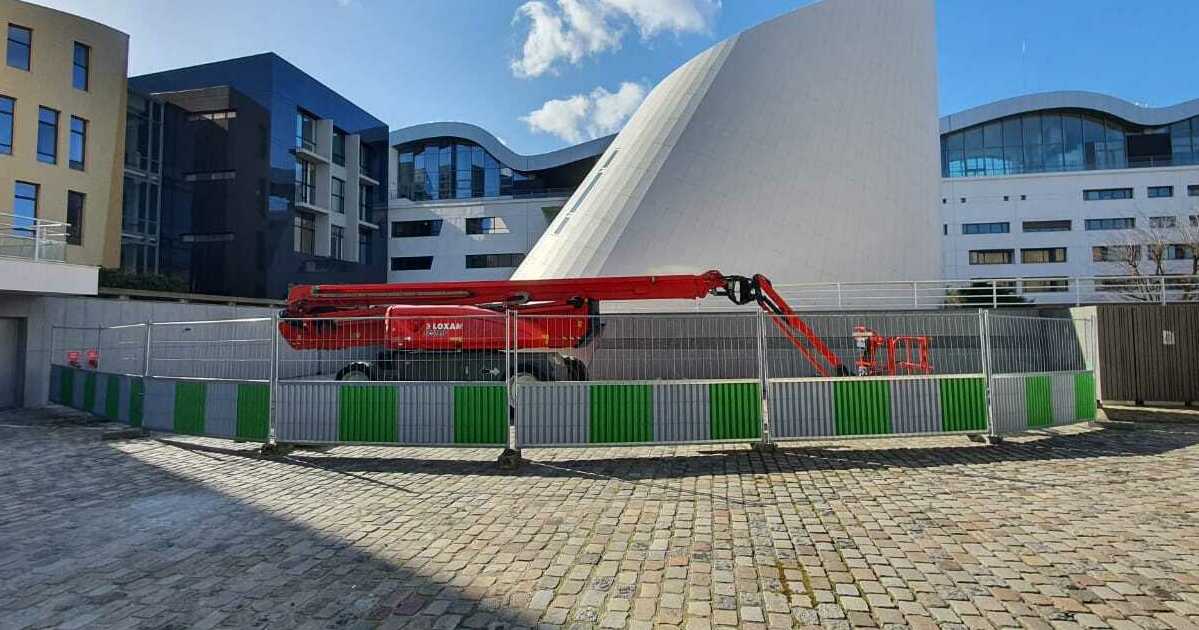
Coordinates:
(1023, 402)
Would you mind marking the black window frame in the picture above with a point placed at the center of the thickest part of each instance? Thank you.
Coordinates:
(418, 228)
(479, 226)
(1047, 225)
(1193, 190)
(1051, 259)
(303, 142)
(1163, 222)
(364, 201)
(28, 46)
(47, 158)
(338, 152)
(305, 187)
(1107, 194)
(364, 246)
(993, 227)
(975, 256)
(304, 232)
(18, 229)
(410, 263)
(498, 260)
(337, 200)
(337, 241)
(1117, 223)
(81, 70)
(8, 119)
(75, 224)
(81, 135)
(1159, 192)
(1099, 253)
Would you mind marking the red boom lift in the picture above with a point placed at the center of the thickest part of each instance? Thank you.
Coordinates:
(458, 330)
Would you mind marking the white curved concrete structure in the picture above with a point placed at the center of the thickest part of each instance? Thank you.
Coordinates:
(804, 148)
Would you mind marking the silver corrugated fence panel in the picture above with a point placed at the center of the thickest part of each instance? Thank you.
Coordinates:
(1009, 403)
(424, 413)
(307, 412)
(1061, 392)
(916, 406)
(220, 409)
(553, 413)
(802, 409)
(125, 389)
(159, 406)
(681, 412)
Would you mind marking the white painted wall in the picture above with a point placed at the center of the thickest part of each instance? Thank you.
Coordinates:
(1051, 196)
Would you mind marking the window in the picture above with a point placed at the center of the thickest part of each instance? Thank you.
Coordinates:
(75, 202)
(1105, 194)
(364, 247)
(1115, 253)
(986, 228)
(486, 225)
(47, 135)
(1161, 191)
(339, 195)
(305, 233)
(1163, 222)
(991, 257)
(411, 263)
(209, 176)
(221, 114)
(1059, 225)
(20, 41)
(364, 202)
(305, 182)
(1193, 190)
(339, 147)
(364, 159)
(492, 261)
(1046, 285)
(945, 229)
(411, 229)
(7, 105)
(1194, 218)
(24, 208)
(78, 143)
(83, 54)
(1179, 252)
(305, 131)
(1111, 224)
(1043, 255)
(337, 237)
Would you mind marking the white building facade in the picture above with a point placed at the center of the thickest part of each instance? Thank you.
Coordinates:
(1048, 186)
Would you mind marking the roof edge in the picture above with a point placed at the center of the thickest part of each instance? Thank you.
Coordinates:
(1118, 107)
(501, 152)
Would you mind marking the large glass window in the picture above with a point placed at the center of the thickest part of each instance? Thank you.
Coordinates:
(364, 202)
(991, 256)
(1163, 222)
(1115, 253)
(305, 131)
(492, 261)
(486, 225)
(1057, 225)
(1192, 189)
(1043, 255)
(20, 46)
(339, 147)
(47, 135)
(364, 247)
(413, 229)
(78, 143)
(1124, 223)
(411, 263)
(1161, 191)
(337, 238)
(305, 232)
(305, 182)
(7, 107)
(1107, 194)
(338, 196)
(986, 228)
(446, 168)
(80, 65)
(75, 203)
(24, 208)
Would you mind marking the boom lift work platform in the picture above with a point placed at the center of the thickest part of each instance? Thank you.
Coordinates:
(459, 330)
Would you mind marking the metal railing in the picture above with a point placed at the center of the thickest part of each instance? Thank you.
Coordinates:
(32, 238)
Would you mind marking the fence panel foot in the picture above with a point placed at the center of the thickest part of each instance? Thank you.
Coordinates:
(765, 447)
(989, 440)
(277, 449)
(510, 459)
(125, 434)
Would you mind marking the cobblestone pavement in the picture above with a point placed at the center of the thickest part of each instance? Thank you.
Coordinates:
(1076, 528)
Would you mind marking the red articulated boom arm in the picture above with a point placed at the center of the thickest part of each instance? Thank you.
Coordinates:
(320, 316)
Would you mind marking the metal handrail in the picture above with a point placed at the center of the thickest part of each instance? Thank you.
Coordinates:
(33, 238)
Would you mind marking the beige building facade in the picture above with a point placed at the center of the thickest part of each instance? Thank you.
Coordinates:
(62, 126)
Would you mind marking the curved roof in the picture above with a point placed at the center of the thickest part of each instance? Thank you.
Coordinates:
(1118, 107)
(510, 158)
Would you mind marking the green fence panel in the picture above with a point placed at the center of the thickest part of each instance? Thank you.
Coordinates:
(89, 392)
(66, 387)
(137, 399)
(622, 413)
(253, 411)
(189, 408)
(963, 404)
(1039, 399)
(112, 397)
(1084, 396)
(862, 407)
(366, 414)
(480, 414)
(735, 411)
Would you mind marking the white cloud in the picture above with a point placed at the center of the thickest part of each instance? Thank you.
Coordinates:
(572, 29)
(586, 116)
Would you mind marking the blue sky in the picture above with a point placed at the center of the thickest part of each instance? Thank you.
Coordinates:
(542, 73)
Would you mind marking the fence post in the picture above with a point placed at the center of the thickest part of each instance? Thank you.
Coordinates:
(994, 294)
(273, 384)
(1162, 282)
(1077, 291)
(984, 337)
(915, 294)
(37, 241)
(146, 353)
(767, 443)
(510, 457)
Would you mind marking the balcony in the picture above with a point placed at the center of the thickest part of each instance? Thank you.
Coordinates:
(32, 258)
